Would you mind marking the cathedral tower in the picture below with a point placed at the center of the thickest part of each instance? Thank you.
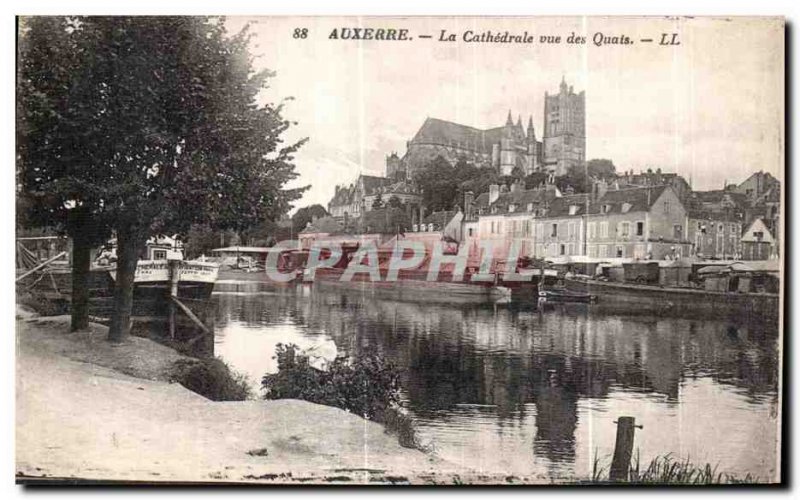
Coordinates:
(564, 129)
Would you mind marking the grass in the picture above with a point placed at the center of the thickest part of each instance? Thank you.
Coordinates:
(668, 470)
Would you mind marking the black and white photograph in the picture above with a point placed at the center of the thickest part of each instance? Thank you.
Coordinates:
(399, 250)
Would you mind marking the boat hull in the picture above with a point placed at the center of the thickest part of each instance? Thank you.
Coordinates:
(417, 288)
(656, 299)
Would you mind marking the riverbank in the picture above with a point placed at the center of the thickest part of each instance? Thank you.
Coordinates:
(87, 409)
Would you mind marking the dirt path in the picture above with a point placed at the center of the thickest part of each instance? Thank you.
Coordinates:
(88, 409)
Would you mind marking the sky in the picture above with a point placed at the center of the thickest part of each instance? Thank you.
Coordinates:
(710, 109)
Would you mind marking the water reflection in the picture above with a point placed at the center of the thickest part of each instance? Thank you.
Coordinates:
(517, 390)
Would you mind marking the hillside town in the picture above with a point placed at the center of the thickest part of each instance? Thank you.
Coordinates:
(650, 214)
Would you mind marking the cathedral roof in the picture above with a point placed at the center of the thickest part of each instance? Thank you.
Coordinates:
(436, 131)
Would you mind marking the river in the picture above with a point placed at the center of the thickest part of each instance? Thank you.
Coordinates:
(520, 391)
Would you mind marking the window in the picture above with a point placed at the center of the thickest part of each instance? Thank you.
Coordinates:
(159, 255)
(573, 209)
(592, 230)
(592, 250)
(469, 232)
(640, 228)
(626, 207)
(604, 230)
(666, 206)
(620, 252)
(554, 230)
(602, 251)
(530, 207)
(572, 230)
(511, 208)
(625, 229)
(758, 235)
(721, 228)
(677, 232)
(562, 249)
(540, 230)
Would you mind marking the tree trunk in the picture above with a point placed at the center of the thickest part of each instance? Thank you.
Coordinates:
(127, 257)
(81, 263)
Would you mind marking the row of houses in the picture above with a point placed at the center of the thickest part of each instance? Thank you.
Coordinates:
(650, 215)
(647, 222)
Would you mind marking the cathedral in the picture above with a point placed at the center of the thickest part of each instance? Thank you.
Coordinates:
(509, 148)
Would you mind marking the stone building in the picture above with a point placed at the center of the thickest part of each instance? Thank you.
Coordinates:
(564, 130)
(715, 235)
(642, 223)
(506, 148)
(758, 243)
(355, 199)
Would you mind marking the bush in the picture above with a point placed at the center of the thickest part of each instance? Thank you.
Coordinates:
(212, 378)
(366, 387)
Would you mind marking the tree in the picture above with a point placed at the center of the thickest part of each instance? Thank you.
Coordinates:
(601, 169)
(576, 178)
(304, 215)
(200, 240)
(386, 220)
(155, 123)
(535, 179)
(438, 184)
(53, 150)
(394, 202)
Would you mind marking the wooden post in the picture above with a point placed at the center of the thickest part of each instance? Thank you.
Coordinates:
(174, 276)
(623, 448)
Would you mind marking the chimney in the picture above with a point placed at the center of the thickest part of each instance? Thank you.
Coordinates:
(494, 193)
(469, 198)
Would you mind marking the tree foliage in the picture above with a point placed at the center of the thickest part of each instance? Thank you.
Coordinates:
(149, 125)
(304, 215)
(367, 386)
(443, 184)
(600, 168)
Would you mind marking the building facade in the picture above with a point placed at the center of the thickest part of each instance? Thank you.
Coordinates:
(635, 223)
(368, 191)
(758, 243)
(715, 235)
